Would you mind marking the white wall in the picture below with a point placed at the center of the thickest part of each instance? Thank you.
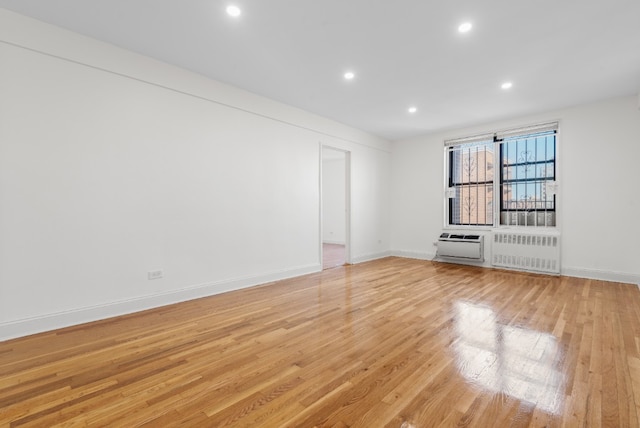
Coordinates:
(113, 165)
(598, 200)
(333, 201)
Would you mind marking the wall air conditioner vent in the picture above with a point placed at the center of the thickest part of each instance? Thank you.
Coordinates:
(459, 246)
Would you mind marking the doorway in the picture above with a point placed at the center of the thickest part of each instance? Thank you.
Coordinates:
(335, 198)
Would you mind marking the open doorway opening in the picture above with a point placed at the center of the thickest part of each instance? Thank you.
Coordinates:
(335, 207)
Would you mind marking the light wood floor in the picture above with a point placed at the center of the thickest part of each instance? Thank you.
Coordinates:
(332, 255)
(394, 342)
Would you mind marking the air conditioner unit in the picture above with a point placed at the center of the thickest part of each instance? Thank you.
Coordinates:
(460, 246)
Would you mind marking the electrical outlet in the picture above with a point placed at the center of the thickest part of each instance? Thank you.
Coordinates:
(154, 274)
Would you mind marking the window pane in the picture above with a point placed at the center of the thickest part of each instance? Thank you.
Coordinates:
(524, 218)
(510, 152)
(471, 163)
(530, 195)
(545, 148)
(472, 205)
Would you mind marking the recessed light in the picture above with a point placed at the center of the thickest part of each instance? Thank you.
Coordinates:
(233, 11)
(465, 27)
(412, 110)
(506, 85)
(349, 75)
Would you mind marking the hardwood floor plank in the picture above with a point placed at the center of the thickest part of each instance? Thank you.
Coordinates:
(393, 342)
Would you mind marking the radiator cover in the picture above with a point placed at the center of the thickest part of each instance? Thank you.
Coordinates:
(529, 251)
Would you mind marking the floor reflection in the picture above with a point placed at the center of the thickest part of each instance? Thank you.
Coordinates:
(515, 361)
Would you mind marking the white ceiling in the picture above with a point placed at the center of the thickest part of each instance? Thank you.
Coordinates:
(557, 53)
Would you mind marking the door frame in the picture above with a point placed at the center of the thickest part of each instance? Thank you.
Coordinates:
(347, 201)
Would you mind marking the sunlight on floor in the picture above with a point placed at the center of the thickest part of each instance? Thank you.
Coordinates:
(516, 361)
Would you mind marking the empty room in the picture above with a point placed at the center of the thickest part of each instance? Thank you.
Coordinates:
(319, 213)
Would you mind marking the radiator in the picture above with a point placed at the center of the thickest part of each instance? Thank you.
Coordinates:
(529, 251)
(454, 246)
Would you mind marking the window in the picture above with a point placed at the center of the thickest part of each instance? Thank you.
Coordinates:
(519, 166)
(528, 164)
(471, 177)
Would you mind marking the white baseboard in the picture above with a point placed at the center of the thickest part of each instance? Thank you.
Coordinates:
(333, 242)
(25, 327)
(413, 255)
(603, 275)
(368, 257)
